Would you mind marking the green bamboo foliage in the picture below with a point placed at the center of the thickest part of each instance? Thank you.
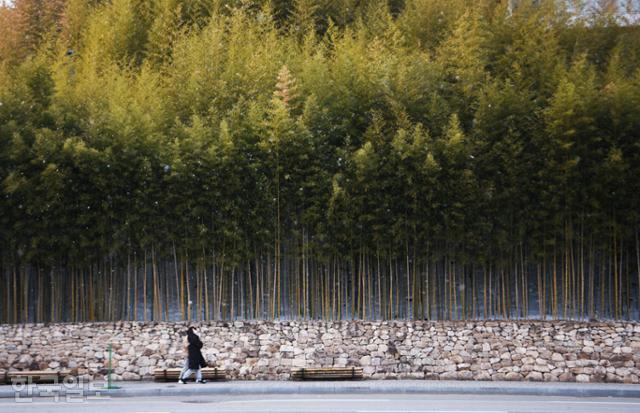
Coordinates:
(218, 160)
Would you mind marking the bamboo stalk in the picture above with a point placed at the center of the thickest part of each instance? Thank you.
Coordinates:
(554, 298)
(484, 292)
(92, 306)
(434, 290)
(128, 299)
(144, 288)
(112, 295)
(250, 292)
(25, 291)
(379, 282)
(232, 284)
(407, 275)
(156, 287)
(73, 297)
(454, 291)
(582, 284)
(370, 287)
(516, 276)
(565, 273)
(390, 316)
(544, 283)
(592, 269)
(214, 288)
(188, 287)
(167, 298)
(428, 286)
(502, 282)
(525, 284)
(258, 300)
(474, 303)
(616, 287)
(638, 268)
(621, 281)
(5, 296)
(197, 289)
(540, 291)
(601, 285)
(397, 267)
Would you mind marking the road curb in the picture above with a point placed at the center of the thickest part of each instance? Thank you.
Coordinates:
(130, 389)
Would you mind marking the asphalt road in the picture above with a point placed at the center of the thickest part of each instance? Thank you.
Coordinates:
(356, 403)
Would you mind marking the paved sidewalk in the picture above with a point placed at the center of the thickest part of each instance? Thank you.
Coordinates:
(152, 389)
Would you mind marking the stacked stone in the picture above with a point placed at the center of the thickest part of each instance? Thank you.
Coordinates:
(250, 350)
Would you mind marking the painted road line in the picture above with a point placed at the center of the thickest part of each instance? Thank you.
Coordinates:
(577, 402)
(307, 400)
(431, 411)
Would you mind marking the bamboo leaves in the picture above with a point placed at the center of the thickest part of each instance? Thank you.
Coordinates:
(317, 159)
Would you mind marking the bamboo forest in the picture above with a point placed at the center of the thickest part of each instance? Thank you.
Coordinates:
(319, 159)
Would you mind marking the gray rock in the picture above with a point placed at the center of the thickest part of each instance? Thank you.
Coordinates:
(582, 378)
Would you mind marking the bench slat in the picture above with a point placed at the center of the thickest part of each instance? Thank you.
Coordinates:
(37, 372)
(327, 373)
(211, 373)
(37, 375)
(330, 372)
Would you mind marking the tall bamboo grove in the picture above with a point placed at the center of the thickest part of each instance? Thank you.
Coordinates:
(314, 159)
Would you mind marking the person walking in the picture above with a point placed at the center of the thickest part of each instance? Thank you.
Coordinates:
(195, 359)
(185, 348)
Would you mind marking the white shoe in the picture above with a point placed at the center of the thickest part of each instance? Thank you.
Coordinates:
(180, 381)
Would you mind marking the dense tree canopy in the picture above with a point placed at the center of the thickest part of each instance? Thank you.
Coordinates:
(318, 158)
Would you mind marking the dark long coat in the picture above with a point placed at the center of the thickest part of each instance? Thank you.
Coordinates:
(195, 355)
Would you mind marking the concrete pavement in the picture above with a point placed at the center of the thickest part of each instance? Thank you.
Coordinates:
(336, 403)
(152, 389)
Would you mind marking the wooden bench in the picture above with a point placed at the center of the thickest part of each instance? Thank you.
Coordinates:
(327, 373)
(208, 373)
(37, 376)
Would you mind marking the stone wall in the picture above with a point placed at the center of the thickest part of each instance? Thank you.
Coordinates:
(523, 350)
